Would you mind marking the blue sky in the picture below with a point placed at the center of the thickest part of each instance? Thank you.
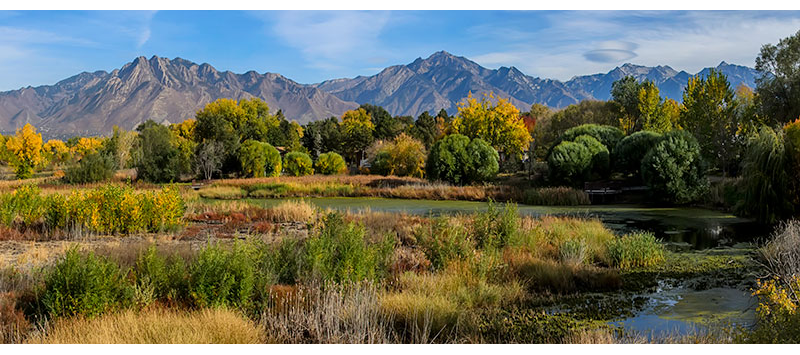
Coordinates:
(43, 47)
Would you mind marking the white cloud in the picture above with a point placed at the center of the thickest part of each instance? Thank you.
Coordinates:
(579, 43)
(330, 39)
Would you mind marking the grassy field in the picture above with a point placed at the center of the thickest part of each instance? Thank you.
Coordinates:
(187, 271)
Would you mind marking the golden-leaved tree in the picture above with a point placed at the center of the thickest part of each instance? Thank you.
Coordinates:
(57, 150)
(26, 151)
(357, 129)
(498, 123)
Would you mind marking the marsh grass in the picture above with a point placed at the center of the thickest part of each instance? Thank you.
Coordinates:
(336, 314)
(556, 196)
(635, 250)
(222, 193)
(154, 326)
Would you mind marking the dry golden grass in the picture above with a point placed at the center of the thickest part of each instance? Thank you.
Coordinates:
(223, 192)
(291, 211)
(154, 326)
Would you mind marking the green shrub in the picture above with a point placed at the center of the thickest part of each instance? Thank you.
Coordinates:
(286, 259)
(92, 168)
(442, 241)
(298, 164)
(159, 160)
(159, 277)
(447, 159)
(599, 166)
(339, 252)
(458, 160)
(484, 161)
(330, 163)
(495, 227)
(630, 151)
(223, 278)
(674, 169)
(403, 156)
(26, 204)
(635, 250)
(84, 284)
(569, 162)
(609, 136)
(259, 159)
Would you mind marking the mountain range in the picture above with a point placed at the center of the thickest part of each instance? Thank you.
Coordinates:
(173, 90)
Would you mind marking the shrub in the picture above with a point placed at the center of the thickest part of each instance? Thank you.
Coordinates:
(298, 164)
(495, 228)
(630, 151)
(24, 203)
(635, 250)
(339, 252)
(222, 278)
(330, 163)
(403, 156)
(259, 159)
(157, 277)
(569, 162)
(777, 315)
(458, 160)
(483, 164)
(600, 160)
(781, 255)
(84, 284)
(674, 169)
(106, 209)
(609, 136)
(444, 241)
(92, 168)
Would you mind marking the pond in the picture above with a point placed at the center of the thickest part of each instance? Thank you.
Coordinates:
(679, 227)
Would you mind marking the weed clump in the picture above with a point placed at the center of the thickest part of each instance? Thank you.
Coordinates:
(635, 250)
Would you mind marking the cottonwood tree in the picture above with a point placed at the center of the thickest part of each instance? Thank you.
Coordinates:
(498, 123)
(778, 86)
(710, 115)
(208, 158)
(357, 130)
(25, 150)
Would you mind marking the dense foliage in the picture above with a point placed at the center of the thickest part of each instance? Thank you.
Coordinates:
(674, 168)
(330, 163)
(259, 159)
(609, 136)
(93, 167)
(457, 159)
(629, 152)
(298, 164)
(569, 162)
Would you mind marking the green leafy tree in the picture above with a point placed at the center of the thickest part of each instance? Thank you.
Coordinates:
(766, 181)
(459, 160)
(600, 161)
(298, 164)
(625, 92)
(259, 159)
(424, 129)
(778, 86)
(323, 136)
(674, 169)
(710, 115)
(628, 155)
(548, 129)
(569, 162)
(609, 136)
(386, 126)
(357, 131)
(330, 163)
(158, 159)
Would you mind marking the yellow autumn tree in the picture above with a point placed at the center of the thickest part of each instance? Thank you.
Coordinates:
(498, 123)
(26, 151)
(86, 145)
(57, 151)
(357, 129)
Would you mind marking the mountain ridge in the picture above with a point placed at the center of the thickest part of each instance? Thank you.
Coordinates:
(171, 90)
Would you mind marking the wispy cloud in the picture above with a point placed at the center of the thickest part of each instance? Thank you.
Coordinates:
(576, 43)
(330, 39)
